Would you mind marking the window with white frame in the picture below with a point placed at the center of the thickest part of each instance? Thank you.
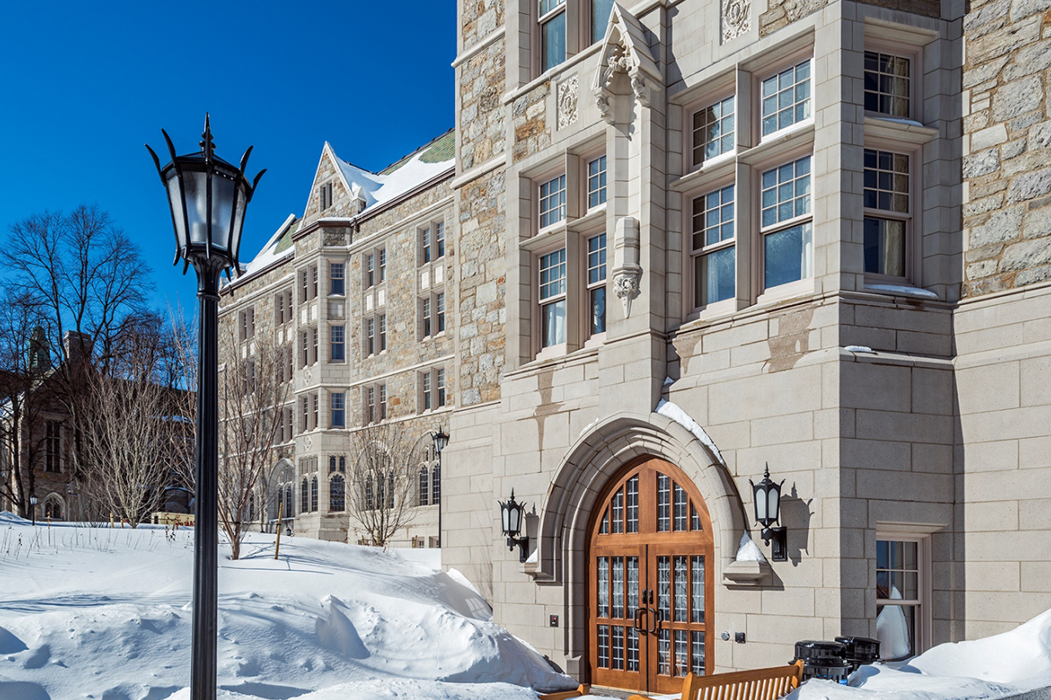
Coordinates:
(596, 284)
(784, 223)
(381, 332)
(283, 312)
(337, 343)
(713, 243)
(316, 404)
(552, 201)
(887, 212)
(369, 337)
(565, 25)
(902, 565)
(336, 281)
(786, 98)
(432, 389)
(337, 401)
(596, 182)
(552, 298)
(374, 267)
(431, 242)
(246, 323)
(713, 130)
(375, 400)
(432, 314)
(888, 84)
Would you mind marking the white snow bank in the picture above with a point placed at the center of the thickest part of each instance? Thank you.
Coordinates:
(748, 550)
(904, 290)
(670, 410)
(105, 613)
(993, 667)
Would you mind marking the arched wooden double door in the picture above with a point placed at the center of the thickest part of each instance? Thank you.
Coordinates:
(649, 588)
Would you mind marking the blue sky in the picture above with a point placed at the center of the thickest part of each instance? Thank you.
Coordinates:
(84, 85)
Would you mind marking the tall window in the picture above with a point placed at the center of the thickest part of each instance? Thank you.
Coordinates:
(370, 404)
(381, 402)
(713, 246)
(313, 344)
(786, 98)
(552, 17)
(886, 198)
(432, 389)
(596, 182)
(369, 337)
(337, 343)
(552, 201)
(375, 403)
(785, 203)
(52, 446)
(313, 494)
(337, 399)
(900, 565)
(246, 322)
(381, 264)
(424, 485)
(713, 130)
(432, 314)
(382, 323)
(888, 81)
(425, 245)
(553, 298)
(439, 240)
(336, 280)
(314, 413)
(304, 496)
(337, 489)
(597, 284)
(325, 195)
(369, 270)
(600, 11)
(431, 244)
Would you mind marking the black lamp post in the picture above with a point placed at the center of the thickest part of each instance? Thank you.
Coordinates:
(767, 513)
(32, 507)
(511, 515)
(207, 197)
(440, 441)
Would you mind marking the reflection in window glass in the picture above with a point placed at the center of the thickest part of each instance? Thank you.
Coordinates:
(786, 98)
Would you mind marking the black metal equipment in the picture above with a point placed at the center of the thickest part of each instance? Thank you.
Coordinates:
(860, 650)
(825, 660)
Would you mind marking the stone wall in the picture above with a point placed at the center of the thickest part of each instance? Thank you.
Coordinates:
(1007, 162)
(478, 18)
(480, 120)
(781, 13)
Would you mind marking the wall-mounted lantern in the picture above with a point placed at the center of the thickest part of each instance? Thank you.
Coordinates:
(511, 516)
(767, 512)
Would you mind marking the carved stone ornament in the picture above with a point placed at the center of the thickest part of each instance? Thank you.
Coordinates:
(625, 50)
(307, 378)
(736, 18)
(626, 287)
(568, 91)
(308, 443)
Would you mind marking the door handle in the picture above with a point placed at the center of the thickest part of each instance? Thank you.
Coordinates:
(639, 613)
(656, 620)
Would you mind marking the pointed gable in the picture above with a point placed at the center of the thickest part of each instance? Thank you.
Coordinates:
(625, 50)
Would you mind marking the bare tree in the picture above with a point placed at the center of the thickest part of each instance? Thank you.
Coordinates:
(251, 397)
(24, 365)
(383, 477)
(81, 275)
(135, 429)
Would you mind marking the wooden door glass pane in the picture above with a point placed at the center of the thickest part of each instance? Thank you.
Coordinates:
(633, 504)
(603, 587)
(633, 649)
(695, 520)
(618, 648)
(681, 592)
(697, 570)
(664, 652)
(663, 503)
(618, 587)
(633, 586)
(682, 655)
(664, 588)
(697, 662)
(603, 646)
(603, 528)
(681, 504)
(617, 511)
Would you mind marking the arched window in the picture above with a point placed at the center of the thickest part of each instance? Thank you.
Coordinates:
(291, 504)
(304, 496)
(336, 497)
(368, 492)
(436, 479)
(53, 508)
(425, 480)
(313, 494)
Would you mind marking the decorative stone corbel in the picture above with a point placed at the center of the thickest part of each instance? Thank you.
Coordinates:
(626, 268)
(625, 50)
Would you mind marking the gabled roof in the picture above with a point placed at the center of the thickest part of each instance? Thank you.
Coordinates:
(277, 248)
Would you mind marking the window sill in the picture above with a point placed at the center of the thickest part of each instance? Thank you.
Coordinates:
(551, 236)
(780, 142)
(717, 167)
(899, 287)
(905, 130)
(798, 288)
(593, 216)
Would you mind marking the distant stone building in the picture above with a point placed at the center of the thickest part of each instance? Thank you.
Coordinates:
(358, 294)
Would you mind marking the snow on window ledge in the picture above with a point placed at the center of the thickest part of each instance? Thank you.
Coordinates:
(901, 289)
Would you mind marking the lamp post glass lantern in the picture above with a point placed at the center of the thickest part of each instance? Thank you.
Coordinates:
(511, 514)
(441, 439)
(207, 198)
(767, 500)
(32, 507)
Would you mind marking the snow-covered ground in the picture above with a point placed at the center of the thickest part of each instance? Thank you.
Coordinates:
(105, 613)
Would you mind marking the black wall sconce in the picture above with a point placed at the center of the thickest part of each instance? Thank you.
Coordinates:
(767, 512)
(511, 515)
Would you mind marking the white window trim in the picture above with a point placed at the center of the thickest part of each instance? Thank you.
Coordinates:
(725, 305)
(914, 220)
(762, 294)
(921, 534)
(768, 71)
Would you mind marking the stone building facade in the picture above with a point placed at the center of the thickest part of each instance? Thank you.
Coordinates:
(356, 295)
(706, 237)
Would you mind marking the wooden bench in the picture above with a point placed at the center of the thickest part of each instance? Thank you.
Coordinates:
(757, 684)
(582, 689)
